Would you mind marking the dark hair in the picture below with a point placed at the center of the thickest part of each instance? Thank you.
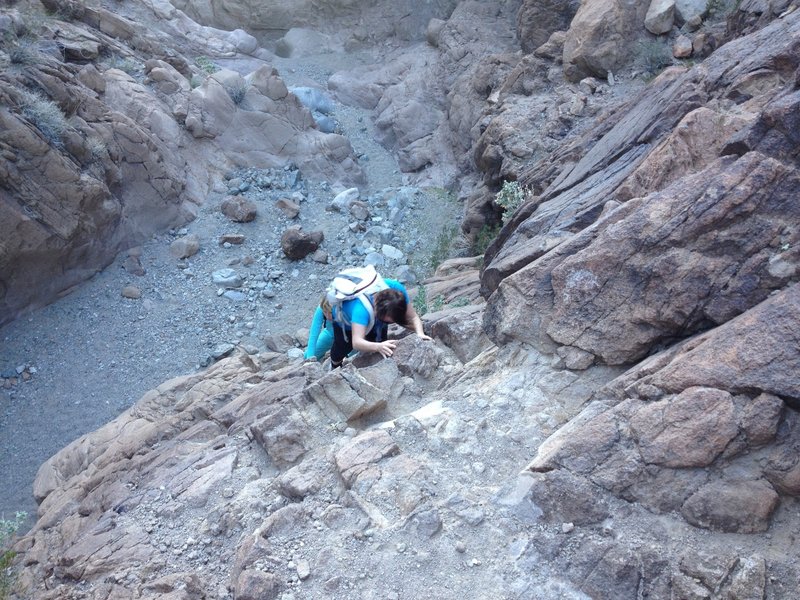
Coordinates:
(391, 303)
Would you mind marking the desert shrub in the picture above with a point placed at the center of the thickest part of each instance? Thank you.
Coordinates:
(237, 92)
(206, 65)
(420, 301)
(718, 10)
(8, 529)
(459, 302)
(437, 304)
(22, 52)
(510, 198)
(45, 115)
(485, 237)
(125, 64)
(97, 148)
(441, 250)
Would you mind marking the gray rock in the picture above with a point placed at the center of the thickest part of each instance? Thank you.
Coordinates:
(344, 394)
(382, 234)
(374, 259)
(313, 99)
(660, 16)
(185, 247)
(238, 209)
(342, 201)
(222, 350)
(359, 210)
(364, 450)
(227, 277)
(283, 434)
(131, 292)
(287, 207)
(325, 123)
(426, 523)
(405, 274)
(391, 252)
(235, 295)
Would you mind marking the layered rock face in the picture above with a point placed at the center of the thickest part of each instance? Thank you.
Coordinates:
(709, 246)
(99, 151)
(670, 238)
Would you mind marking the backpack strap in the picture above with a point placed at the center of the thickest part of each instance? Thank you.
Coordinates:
(367, 302)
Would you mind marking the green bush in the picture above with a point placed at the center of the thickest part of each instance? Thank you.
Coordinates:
(125, 64)
(437, 304)
(8, 529)
(485, 237)
(45, 115)
(510, 198)
(420, 301)
(459, 302)
(237, 93)
(206, 65)
(441, 251)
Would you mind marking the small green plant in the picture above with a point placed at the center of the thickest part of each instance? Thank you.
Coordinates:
(485, 237)
(97, 148)
(8, 529)
(237, 93)
(459, 302)
(420, 301)
(441, 251)
(125, 64)
(45, 115)
(510, 198)
(437, 304)
(206, 65)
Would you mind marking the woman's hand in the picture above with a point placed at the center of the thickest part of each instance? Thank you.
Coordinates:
(386, 348)
(360, 343)
(425, 337)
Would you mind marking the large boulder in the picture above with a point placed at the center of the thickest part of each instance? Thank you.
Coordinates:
(601, 37)
(76, 193)
(537, 20)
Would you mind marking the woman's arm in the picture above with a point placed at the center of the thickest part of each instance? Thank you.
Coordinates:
(414, 322)
(313, 334)
(360, 343)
